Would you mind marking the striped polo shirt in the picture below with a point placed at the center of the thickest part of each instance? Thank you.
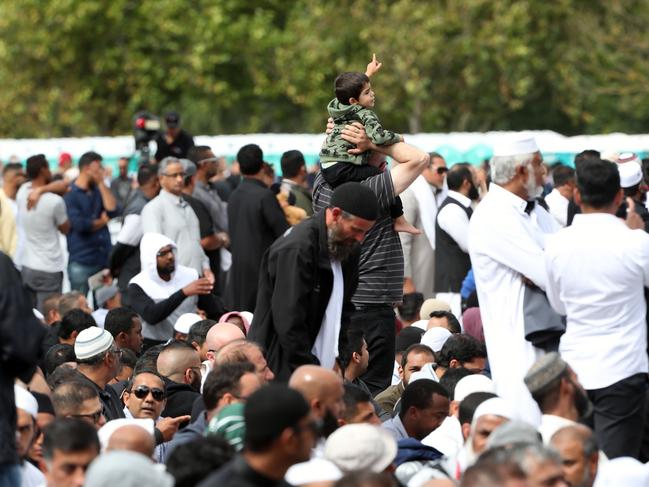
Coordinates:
(380, 275)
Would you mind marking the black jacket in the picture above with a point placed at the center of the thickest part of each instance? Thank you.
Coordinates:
(20, 349)
(256, 220)
(180, 399)
(178, 147)
(295, 284)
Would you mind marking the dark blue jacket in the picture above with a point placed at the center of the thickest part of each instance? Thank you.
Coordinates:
(85, 246)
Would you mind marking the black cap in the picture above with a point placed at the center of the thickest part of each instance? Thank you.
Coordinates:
(270, 410)
(172, 119)
(356, 199)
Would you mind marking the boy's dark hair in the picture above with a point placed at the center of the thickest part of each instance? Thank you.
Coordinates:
(198, 332)
(291, 163)
(88, 158)
(69, 435)
(349, 85)
(251, 159)
(34, 165)
(462, 348)
(562, 174)
(146, 173)
(352, 397)
(58, 354)
(75, 320)
(119, 320)
(190, 463)
(415, 348)
(354, 344)
(470, 403)
(419, 394)
(450, 379)
(453, 323)
(598, 182)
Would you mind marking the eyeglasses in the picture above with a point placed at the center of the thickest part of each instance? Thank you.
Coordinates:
(94, 417)
(175, 175)
(441, 170)
(143, 391)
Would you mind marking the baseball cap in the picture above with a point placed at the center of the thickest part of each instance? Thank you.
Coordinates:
(172, 119)
(431, 305)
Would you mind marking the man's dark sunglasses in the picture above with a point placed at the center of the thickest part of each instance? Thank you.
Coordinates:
(142, 391)
(442, 169)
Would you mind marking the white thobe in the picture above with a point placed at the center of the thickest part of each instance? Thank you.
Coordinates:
(505, 245)
(558, 205)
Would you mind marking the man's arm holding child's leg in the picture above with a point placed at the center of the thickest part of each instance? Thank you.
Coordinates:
(410, 161)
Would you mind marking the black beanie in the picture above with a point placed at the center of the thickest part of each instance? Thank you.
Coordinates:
(270, 410)
(356, 199)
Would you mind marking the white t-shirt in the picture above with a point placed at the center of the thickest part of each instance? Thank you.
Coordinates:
(326, 343)
(42, 247)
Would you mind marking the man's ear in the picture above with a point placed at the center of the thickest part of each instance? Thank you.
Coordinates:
(577, 196)
(466, 430)
(454, 364)
(400, 370)
(356, 357)
(125, 396)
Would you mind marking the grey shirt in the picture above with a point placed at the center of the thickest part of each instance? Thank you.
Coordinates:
(172, 216)
(42, 245)
(217, 208)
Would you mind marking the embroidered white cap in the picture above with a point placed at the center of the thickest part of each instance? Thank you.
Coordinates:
(26, 401)
(630, 173)
(91, 342)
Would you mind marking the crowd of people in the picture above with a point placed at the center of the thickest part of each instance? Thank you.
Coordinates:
(372, 326)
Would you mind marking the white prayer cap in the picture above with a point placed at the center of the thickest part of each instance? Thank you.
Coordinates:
(185, 322)
(315, 470)
(473, 383)
(361, 447)
(630, 173)
(496, 406)
(421, 324)
(516, 145)
(426, 372)
(91, 342)
(435, 338)
(107, 430)
(26, 401)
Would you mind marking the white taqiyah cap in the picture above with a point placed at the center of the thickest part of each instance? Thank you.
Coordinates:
(630, 173)
(514, 146)
(496, 406)
(26, 401)
(185, 322)
(91, 342)
(106, 431)
(473, 383)
(435, 338)
(361, 447)
(426, 372)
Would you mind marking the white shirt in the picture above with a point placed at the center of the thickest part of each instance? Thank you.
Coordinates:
(550, 424)
(597, 270)
(325, 346)
(454, 221)
(558, 205)
(30, 475)
(447, 438)
(505, 244)
(100, 316)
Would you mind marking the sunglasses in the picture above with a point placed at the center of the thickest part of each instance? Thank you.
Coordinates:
(143, 391)
(94, 417)
(441, 170)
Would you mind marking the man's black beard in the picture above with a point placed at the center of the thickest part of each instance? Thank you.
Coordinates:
(473, 193)
(329, 423)
(166, 271)
(339, 249)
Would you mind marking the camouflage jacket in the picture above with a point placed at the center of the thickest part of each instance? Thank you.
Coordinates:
(335, 148)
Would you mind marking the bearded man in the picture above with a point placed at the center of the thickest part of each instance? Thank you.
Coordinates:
(307, 279)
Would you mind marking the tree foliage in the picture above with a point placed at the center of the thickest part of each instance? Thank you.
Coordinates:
(83, 67)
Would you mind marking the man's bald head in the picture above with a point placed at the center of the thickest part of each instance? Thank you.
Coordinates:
(315, 383)
(132, 437)
(577, 447)
(176, 361)
(221, 334)
(576, 431)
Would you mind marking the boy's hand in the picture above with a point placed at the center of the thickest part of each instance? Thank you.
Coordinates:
(373, 67)
(330, 126)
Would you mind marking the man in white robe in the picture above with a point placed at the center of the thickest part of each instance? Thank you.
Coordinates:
(506, 241)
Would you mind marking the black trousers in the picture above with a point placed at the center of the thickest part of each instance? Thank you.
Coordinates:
(378, 325)
(619, 416)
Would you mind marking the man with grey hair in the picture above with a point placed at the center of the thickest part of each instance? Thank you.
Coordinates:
(170, 215)
(506, 240)
(579, 453)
